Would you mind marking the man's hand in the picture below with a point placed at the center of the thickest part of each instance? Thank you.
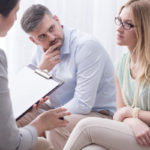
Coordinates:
(122, 113)
(50, 58)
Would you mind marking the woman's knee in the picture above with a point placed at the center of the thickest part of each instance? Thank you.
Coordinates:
(88, 122)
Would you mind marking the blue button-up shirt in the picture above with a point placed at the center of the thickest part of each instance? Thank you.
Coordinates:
(87, 72)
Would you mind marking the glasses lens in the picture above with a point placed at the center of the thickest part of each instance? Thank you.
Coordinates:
(117, 21)
(126, 26)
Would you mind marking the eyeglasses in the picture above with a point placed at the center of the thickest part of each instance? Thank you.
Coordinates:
(125, 25)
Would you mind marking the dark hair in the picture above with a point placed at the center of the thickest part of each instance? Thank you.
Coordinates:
(6, 6)
(33, 16)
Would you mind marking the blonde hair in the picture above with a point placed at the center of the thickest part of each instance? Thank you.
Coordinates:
(141, 17)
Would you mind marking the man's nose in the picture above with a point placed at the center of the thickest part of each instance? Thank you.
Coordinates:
(51, 37)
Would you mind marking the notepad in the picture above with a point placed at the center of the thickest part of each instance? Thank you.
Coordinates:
(29, 86)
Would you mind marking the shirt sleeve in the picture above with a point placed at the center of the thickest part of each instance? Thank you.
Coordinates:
(90, 60)
(37, 56)
(11, 137)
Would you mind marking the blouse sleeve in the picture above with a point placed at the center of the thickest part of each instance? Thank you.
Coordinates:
(11, 137)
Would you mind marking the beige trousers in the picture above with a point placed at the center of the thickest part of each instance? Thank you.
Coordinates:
(108, 134)
(42, 144)
(94, 147)
(58, 137)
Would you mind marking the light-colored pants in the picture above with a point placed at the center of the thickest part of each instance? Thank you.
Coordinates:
(94, 147)
(42, 144)
(108, 134)
(58, 137)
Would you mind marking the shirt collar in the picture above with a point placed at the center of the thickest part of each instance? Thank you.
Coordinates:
(65, 49)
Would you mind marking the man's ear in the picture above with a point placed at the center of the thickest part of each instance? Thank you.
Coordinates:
(56, 18)
(32, 39)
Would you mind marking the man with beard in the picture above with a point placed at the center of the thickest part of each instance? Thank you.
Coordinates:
(80, 61)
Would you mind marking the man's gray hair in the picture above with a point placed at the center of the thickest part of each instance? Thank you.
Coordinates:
(33, 16)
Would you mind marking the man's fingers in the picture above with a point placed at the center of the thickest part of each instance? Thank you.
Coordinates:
(57, 52)
(56, 46)
(56, 57)
(53, 48)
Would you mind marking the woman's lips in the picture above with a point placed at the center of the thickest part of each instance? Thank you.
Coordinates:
(119, 36)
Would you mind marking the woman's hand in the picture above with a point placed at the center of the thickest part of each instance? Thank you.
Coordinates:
(39, 104)
(140, 129)
(50, 120)
(122, 113)
(29, 116)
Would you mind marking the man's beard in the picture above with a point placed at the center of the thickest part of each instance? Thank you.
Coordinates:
(55, 42)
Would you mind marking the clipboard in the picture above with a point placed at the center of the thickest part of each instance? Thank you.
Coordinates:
(29, 86)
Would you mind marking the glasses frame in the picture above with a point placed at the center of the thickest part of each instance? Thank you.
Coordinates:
(125, 25)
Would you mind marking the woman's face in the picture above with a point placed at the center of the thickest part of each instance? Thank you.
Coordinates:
(126, 37)
(7, 22)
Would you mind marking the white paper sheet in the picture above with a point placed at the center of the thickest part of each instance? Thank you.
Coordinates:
(28, 88)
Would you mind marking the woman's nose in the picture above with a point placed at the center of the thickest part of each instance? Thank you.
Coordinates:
(120, 28)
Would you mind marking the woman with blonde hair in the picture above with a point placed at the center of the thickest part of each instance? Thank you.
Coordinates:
(129, 129)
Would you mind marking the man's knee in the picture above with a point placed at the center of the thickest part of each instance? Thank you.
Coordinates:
(42, 144)
(73, 121)
(65, 132)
